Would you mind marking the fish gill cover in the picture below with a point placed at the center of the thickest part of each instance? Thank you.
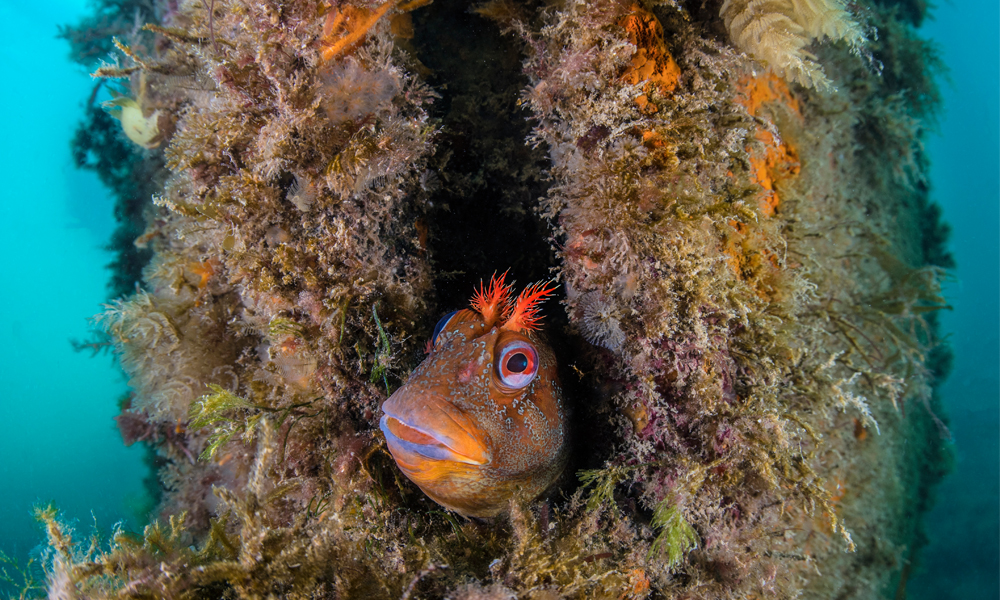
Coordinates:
(748, 258)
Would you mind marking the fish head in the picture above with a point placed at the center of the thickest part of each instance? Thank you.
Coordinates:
(482, 418)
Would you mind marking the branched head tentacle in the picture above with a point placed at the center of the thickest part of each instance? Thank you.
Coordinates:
(493, 302)
(523, 316)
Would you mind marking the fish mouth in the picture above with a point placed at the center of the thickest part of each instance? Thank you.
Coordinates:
(430, 433)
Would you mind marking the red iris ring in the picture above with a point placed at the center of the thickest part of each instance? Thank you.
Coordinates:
(513, 356)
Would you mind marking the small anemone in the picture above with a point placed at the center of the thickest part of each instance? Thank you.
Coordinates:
(351, 92)
(139, 128)
(601, 322)
(302, 193)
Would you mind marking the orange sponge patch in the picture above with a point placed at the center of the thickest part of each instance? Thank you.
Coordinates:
(753, 92)
(651, 62)
(778, 160)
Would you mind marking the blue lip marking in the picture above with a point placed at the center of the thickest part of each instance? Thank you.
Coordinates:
(432, 451)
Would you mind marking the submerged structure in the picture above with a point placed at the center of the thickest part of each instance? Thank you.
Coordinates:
(731, 195)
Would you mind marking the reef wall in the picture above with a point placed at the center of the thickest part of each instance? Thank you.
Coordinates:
(748, 256)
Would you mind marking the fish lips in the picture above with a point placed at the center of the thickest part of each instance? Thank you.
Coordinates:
(430, 428)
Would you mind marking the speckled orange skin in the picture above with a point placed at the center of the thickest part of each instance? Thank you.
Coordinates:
(465, 439)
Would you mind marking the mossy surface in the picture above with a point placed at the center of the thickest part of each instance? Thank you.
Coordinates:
(749, 290)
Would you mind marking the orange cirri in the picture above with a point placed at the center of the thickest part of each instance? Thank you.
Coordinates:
(482, 418)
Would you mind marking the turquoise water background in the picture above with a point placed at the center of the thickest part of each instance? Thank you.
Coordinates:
(963, 559)
(57, 438)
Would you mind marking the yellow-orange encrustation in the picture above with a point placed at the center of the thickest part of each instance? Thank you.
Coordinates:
(482, 419)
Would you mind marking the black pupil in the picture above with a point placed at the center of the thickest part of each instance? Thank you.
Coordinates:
(517, 363)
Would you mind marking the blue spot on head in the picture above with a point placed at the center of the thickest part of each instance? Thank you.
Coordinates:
(440, 326)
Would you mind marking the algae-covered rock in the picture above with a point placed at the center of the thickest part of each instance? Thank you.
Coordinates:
(749, 273)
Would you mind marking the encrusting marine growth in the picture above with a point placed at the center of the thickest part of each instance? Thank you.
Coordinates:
(746, 252)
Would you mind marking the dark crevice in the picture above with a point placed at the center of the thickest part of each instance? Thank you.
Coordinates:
(482, 219)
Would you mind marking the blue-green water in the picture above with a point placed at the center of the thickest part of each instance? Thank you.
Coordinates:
(57, 438)
(963, 559)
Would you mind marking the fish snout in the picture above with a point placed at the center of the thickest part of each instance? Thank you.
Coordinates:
(426, 427)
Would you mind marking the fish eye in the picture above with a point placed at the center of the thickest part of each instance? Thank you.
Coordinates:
(440, 326)
(518, 364)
